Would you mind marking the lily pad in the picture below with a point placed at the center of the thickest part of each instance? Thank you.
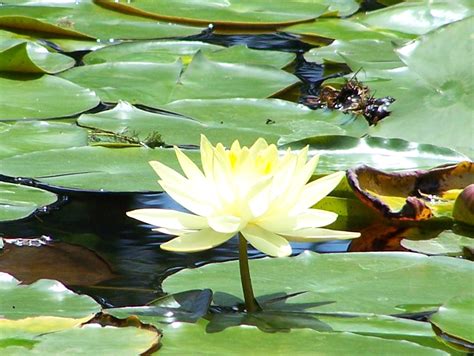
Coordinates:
(173, 129)
(93, 168)
(344, 152)
(383, 280)
(23, 137)
(446, 243)
(182, 338)
(137, 82)
(84, 19)
(369, 53)
(171, 51)
(428, 93)
(455, 318)
(42, 298)
(230, 13)
(19, 201)
(29, 57)
(42, 97)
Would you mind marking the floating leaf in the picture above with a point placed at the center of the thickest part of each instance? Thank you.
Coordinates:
(446, 243)
(42, 298)
(84, 19)
(19, 201)
(415, 195)
(23, 137)
(171, 51)
(42, 97)
(28, 57)
(228, 13)
(455, 318)
(93, 168)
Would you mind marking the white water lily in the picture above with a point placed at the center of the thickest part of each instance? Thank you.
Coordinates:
(255, 191)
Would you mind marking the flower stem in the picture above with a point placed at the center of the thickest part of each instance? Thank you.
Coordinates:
(251, 304)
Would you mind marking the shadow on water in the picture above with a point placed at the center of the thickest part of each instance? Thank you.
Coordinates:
(98, 250)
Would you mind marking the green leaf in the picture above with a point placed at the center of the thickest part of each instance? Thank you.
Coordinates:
(258, 13)
(371, 53)
(29, 57)
(182, 338)
(170, 51)
(446, 243)
(84, 19)
(343, 152)
(213, 122)
(377, 282)
(202, 79)
(430, 95)
(53, 97)
(19, 201)
(42, 298)
(93, 168)
(455, 318)
(23, 137)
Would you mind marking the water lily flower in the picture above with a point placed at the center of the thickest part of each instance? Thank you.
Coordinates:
(253, 191)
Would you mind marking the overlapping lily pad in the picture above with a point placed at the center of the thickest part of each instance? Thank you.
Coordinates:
(42, 97)
(235, 12)
(28, 57)
(433, 100)
(23, 137)
(446, 243)
(221, 120)
(171, 51)
(18, 202)
(378, 282)
(93, 168)
(183, 338)
(138, 82)
(84, 19)
(42, 298)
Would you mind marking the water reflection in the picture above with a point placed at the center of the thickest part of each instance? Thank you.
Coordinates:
(131, 249)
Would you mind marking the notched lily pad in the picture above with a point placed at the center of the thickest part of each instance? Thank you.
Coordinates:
(414, 195)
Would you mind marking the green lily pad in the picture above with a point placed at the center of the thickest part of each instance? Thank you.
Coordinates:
(446, 243)
(86, 340)
(383, 280)
(18, 201)
(231, 13)
(84, 19)
(93, 168)
(418, 17)
(344, 29)
(202, 79)
(173, 129)
(430, 95)
(182, 338)
(455, 318)
(23, 137)
(344, 152)
(29, 57)
(170, 51)
(42, 97)
(42, 298)
(369, 52)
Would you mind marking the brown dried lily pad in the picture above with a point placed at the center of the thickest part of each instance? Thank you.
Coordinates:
(414, 195)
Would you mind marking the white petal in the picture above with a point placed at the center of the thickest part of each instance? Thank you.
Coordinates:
(225, 223)
(207, 156)
(189, 167)
(170, 219)
(316, 190)
(258, 196)
(284, 224)
(266, 241)
(167, 174)
(192, 198)
(318, 235)
(174, 232)
(196, 241)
